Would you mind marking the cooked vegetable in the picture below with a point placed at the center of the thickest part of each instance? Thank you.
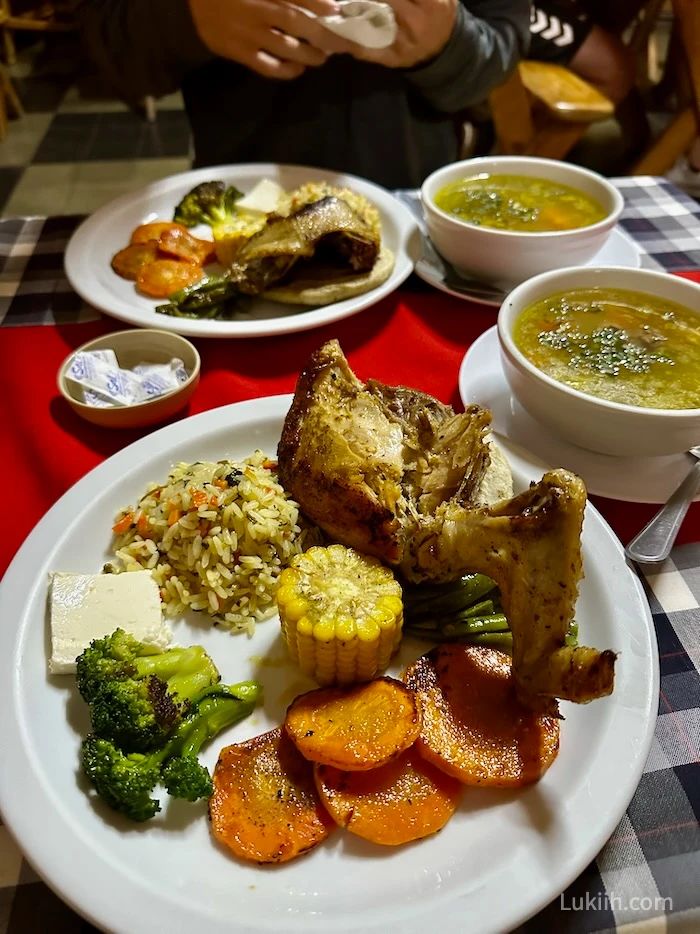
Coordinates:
(265, 807)
(465, 610)
(211, 203)
(125, 780)
(405, 800)
(166, 276)
(474, 728)
(455, 611)
(130, 261)
(212, 297)
(341, 614)
(154, 231)
(138, 695)
(355, 728)
(151, 712)
(183, 246)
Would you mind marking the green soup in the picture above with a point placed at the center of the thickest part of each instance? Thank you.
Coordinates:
(519, 202)
(623, 346)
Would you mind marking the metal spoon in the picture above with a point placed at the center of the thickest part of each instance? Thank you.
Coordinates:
(654, 542)
(435, 267)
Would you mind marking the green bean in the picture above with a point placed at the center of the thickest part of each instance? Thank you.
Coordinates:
(503, 639)
(476, 624)
(449, 597)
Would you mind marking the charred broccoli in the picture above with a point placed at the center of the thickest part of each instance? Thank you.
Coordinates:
(209, 203)
(126, 780)
(136, 695)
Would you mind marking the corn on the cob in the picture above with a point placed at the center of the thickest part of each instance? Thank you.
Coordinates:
(341, 614)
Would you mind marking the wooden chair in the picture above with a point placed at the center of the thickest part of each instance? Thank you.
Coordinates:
(8, 95)
(685, 127)
(35, 17)
(544, 110)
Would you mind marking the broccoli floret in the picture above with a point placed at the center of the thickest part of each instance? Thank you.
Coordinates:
(209, 203)
(183, 775)
(139, 714)
(126, 780)
(137, 696)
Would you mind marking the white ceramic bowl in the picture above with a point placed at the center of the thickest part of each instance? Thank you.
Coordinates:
(592, 423)
(507, 257)
(132, 347)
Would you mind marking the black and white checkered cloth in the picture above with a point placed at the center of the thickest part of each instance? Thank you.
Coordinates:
(647, 877)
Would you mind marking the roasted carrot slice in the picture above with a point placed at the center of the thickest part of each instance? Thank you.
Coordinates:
(129, 262)
(265, 806)
(474, 727)
(355, 728)
(165, 276)
(154, 231)
(402, 801)
(182, 245)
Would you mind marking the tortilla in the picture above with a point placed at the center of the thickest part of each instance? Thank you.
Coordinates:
(322, 285)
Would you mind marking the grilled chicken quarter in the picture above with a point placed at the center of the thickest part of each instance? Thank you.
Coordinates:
(395, 473)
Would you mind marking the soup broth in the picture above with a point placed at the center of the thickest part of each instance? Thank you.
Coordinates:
(519, 203)
(619, 345)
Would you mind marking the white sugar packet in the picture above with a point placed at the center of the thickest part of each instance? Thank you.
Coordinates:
(104, 383)
(367, 22)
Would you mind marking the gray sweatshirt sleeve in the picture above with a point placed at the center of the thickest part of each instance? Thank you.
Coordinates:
(144, 47)
(488, 40)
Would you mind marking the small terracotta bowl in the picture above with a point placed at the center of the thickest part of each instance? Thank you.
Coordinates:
(138, 345)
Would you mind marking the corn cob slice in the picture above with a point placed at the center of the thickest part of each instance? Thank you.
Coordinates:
(341, 614)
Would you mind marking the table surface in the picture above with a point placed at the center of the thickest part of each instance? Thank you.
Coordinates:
(648, 874)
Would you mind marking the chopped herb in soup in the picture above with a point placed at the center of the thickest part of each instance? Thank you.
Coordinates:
(623, 346)
(519, 202)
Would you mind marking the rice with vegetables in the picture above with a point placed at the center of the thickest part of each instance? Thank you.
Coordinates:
(216, 537)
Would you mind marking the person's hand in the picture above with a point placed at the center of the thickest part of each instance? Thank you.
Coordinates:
(424, 29)
(268, 36)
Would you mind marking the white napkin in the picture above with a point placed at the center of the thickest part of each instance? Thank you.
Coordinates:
(366, 22)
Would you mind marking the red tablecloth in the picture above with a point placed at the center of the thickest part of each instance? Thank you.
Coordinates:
(415, 337)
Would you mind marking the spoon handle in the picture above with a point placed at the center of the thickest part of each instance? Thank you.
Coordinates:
(654, 542)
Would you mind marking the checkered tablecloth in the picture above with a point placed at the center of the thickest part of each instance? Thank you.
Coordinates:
(647, 877)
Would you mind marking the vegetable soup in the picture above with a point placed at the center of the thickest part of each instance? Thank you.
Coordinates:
(623, 346)
(519, 203)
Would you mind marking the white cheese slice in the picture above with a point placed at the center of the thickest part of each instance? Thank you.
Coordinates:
(265, 197)
(88, 606)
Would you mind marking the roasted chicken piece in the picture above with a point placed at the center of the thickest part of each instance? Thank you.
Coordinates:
(394, 473)
(328, 226)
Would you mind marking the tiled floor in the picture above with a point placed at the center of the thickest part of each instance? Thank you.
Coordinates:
(77, 148)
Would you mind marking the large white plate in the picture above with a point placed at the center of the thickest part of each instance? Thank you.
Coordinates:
(618, 250)
(94, 243)
(629, 479)
(503, 856)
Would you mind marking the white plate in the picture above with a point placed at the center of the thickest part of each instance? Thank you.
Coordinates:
(629, 479)
(619, 250)
(94, 243)
(169, 875)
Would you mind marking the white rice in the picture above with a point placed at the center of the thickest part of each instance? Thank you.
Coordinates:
(216, 538)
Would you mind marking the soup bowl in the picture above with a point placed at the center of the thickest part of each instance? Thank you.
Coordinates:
(507, 257)
(586, 420)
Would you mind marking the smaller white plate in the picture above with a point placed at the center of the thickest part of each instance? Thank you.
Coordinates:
(629, 479)
(619, 250)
